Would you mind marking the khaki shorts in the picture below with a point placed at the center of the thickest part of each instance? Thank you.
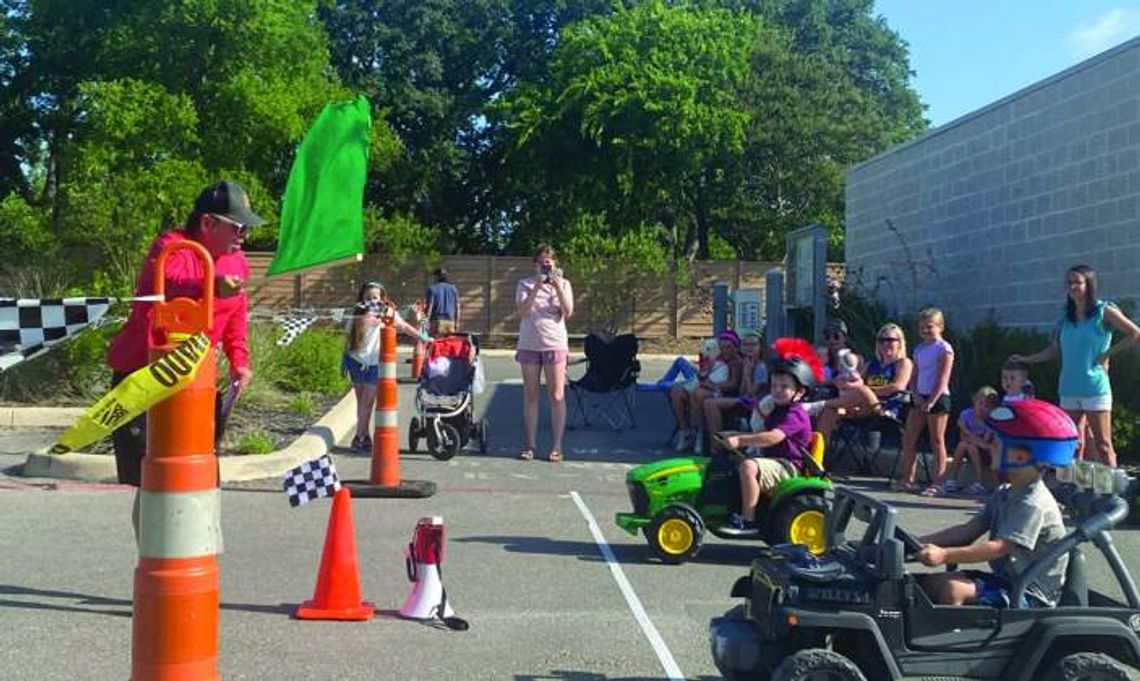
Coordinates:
(442, 327)
(771, 471)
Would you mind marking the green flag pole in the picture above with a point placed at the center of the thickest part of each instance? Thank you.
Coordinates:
(322, 212)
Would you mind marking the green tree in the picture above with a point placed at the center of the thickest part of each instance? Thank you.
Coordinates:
(135, 105)
(638, 118)
(432, 67)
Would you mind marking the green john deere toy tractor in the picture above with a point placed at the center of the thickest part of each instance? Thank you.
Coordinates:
(675, 501)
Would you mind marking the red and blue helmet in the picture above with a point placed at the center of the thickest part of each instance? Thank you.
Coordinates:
(1042, 429)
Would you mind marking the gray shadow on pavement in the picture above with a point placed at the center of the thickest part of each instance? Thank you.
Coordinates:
(85, 599)
(568, 675)
(503, 406)
(740, 553)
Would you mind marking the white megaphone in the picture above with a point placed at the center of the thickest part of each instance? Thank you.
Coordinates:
(423, 558)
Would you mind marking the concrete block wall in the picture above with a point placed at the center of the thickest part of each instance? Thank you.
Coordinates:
(988, 211)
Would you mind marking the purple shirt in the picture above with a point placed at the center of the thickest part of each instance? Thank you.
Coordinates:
(793, 421)
(927, 358)
(975, 426)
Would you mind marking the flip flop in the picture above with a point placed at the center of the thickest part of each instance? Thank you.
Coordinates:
(526, 454)
(555, 456)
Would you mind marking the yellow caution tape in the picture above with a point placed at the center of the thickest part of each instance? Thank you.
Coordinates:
(136, 393)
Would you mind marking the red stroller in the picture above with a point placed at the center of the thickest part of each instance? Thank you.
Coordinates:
(445, 406)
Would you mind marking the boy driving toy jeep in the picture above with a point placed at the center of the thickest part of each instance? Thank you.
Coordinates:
(1022, 517)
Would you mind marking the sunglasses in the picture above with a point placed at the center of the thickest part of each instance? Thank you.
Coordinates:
(241, 229)
(832, 335)
(888, 339)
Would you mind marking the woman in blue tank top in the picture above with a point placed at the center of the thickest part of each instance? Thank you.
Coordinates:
(1082, 339)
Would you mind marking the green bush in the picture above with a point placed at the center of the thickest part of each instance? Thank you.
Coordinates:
(311, 363)
(257, 442)
(303, 404)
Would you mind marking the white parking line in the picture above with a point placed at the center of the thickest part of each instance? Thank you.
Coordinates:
(651, 633)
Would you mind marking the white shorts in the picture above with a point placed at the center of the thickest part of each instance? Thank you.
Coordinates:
(1097, 403)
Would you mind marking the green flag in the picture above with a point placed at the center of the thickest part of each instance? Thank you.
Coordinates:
(322, 217)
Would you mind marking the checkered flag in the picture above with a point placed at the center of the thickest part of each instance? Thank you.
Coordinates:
(31, 326)
(295, 326)
(311, 480)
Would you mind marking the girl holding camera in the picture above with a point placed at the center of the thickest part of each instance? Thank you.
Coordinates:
(361, 360)
(544, 301)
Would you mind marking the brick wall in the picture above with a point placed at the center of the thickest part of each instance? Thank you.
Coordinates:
(987, 212)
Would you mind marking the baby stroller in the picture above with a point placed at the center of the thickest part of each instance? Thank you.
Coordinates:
(445, 407)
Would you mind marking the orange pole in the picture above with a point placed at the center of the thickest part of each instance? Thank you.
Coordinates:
(386, 439)
(176, 594)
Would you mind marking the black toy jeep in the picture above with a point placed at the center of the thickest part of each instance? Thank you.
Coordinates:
(856, 613)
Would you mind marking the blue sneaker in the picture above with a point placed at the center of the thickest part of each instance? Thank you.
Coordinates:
(737, 525)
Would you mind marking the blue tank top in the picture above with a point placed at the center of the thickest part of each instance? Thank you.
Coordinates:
(1081, 344)
(879, 375)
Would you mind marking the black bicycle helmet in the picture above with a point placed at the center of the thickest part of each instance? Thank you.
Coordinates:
(794, 367)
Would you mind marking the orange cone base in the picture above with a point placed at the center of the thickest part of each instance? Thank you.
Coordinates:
(357, 613)
(406, 489)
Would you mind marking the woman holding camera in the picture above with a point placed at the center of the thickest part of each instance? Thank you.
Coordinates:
(545, 301)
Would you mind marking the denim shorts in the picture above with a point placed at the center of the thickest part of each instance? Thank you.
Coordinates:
(358, 372)
(541, 357)
(993, 590)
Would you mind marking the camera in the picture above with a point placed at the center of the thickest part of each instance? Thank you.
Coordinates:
(546, 270)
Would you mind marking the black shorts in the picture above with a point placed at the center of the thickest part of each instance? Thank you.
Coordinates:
(941, 405)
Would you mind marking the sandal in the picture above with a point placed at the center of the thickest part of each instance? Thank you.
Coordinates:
(555, 456)
(902, 486)
(527, 454)
(933, 491)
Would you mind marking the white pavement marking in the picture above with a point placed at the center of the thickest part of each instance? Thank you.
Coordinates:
(650, 631)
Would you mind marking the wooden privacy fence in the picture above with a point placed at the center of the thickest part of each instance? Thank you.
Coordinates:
(652, 307)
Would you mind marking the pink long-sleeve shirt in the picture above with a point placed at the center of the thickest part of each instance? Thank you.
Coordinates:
(184, 277)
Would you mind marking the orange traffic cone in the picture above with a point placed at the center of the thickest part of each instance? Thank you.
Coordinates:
(417, 360)
(337, 594)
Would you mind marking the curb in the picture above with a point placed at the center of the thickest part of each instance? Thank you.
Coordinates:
(318, 440)
(39, 417)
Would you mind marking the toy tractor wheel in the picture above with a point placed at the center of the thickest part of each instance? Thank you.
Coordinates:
(676, 533)
(446, 443)
(802, 520)
(817, 663)
(413, 435)
(1089, 667)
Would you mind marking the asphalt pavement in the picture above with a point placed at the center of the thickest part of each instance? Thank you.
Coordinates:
(552, 588)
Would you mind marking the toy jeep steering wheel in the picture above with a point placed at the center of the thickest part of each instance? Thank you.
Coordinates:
(721, 438)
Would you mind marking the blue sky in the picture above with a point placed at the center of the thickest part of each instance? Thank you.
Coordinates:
(968, 53)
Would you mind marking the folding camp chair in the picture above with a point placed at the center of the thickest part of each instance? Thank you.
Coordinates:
(607, 389)
(849, 442)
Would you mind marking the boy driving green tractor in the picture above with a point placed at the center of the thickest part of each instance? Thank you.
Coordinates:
(777, 496)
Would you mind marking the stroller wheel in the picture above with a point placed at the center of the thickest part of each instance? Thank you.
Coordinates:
(443, 440)
(481, 428)
(413, 435)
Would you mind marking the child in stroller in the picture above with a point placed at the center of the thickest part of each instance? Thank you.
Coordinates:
(445, 406)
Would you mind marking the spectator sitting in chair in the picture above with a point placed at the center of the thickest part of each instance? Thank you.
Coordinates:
(783, 441)
(886, 377)
(691, 403)
(753, 386)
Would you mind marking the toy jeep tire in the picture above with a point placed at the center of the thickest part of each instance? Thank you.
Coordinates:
(801, 519)
(1089, 666)
(812, 662)
(738, 653)
(676, 533)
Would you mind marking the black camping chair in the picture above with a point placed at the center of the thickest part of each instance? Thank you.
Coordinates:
(608, 387)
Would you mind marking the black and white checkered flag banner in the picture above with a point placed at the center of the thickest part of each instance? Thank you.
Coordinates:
(293, 327)
(31, 326)
(311, 480)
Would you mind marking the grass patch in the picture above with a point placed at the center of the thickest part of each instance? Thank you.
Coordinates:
(257, 442)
